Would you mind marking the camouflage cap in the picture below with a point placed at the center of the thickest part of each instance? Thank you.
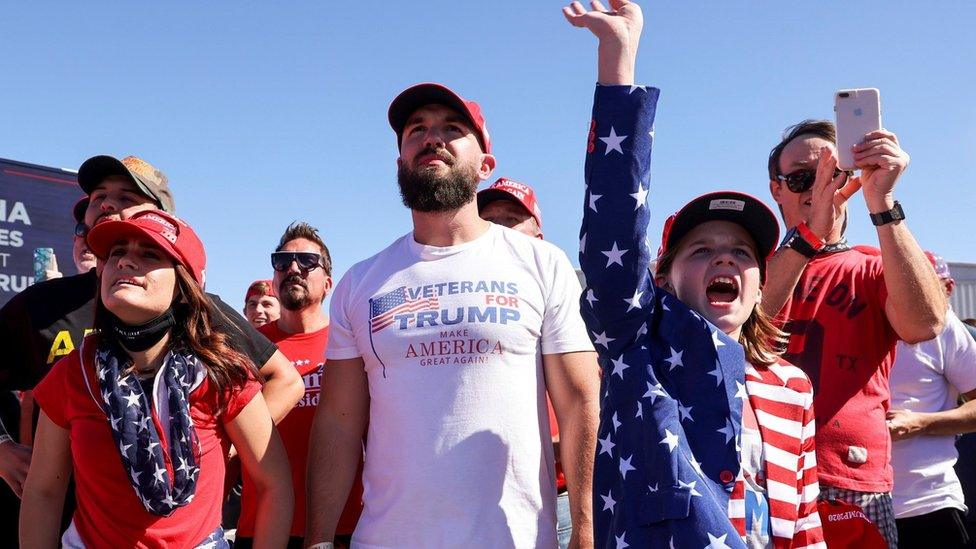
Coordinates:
(152, 182)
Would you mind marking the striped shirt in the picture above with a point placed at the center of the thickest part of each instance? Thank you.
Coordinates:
(782, 397)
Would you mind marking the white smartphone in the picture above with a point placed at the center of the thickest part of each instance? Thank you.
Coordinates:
(857, 112)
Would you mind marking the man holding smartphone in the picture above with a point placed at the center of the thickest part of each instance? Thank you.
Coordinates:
(845, 310)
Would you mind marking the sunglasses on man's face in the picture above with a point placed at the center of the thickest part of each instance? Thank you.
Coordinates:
(81, 230)
(280, 261)
(801, 181)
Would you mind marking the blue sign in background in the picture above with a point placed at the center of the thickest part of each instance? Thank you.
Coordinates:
(35, 212)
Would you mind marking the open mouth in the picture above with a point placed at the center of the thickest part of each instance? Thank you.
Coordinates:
(722, 289)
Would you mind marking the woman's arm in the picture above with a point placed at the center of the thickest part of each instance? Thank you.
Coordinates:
(46, 484)
(266, 464)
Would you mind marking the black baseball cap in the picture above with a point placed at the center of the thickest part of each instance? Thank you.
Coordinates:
(744, 210)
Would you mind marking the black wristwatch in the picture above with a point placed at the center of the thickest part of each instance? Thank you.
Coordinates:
(883, 218)
(802, 240)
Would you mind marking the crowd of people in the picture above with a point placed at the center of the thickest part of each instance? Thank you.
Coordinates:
(733, 389)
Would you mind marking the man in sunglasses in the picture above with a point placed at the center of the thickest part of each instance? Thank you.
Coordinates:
(845, 310)
(444, 345)
(47, 321)
(302, 279)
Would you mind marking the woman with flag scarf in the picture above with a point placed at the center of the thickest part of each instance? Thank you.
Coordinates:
(145, 411)
(706, 436)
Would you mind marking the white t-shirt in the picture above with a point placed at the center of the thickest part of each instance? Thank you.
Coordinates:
(928, 377)
(458, 451)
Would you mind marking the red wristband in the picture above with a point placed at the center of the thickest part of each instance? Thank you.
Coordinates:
(809, 236)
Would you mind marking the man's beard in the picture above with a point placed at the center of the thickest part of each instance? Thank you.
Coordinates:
(424, 191)
(294, 297)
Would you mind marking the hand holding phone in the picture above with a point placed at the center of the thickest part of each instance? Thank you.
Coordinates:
(45, 265)
(857, 113)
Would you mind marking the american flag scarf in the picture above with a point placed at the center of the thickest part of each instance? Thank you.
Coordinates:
(137, 419)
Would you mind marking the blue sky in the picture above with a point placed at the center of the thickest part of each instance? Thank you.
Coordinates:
(264, 113)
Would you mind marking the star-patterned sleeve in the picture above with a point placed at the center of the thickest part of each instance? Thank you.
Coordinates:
(669, 419)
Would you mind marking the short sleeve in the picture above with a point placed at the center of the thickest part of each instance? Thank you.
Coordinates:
(875, 272)
(563, 330)
(240, 399)
(959, 358)
(50, 393)
(244, 338)
(342, 339)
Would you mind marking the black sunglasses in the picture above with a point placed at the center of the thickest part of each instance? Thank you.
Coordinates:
(280, 261)
(801, 181)
(81, 230)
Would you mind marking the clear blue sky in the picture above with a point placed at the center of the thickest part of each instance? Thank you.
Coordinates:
(262, 113)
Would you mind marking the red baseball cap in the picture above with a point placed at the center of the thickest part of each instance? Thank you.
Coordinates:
(170, 233)
(419, 95)
(260, 287)
(749, 212)
(845, 525)
(513, 191)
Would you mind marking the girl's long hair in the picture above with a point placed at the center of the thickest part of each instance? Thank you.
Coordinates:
(761, 340)
(227, 369)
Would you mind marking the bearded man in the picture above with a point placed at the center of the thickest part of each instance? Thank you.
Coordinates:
(443, 345)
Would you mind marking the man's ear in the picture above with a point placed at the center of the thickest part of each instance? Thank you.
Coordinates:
(328, 287)
(487, 166)
(776, 190)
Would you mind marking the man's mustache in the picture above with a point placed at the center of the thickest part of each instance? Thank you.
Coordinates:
(292, 279)
(440, 153)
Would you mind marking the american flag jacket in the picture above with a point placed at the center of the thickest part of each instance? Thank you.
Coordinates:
(667, 458)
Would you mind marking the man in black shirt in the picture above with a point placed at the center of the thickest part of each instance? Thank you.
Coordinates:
(48, 320)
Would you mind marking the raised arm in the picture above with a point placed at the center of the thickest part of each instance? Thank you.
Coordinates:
(916, 303)
(614, 253)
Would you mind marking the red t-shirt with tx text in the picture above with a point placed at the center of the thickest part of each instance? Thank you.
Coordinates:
(109, 512)
(842, 339)
(307, 354)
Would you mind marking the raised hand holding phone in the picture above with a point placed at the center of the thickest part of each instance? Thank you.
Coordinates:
(863, 144)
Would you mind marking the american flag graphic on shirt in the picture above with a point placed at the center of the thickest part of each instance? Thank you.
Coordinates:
(383, 309)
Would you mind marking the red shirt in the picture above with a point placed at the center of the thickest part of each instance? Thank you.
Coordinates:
(842, 339)
(307, 354)
(109, 513)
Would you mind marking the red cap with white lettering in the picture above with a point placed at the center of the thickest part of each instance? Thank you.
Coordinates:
(513, 191)
(168, 232)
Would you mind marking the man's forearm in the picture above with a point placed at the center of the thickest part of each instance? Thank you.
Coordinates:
(917, 302)
(283, 387)
(577, 447)
(782, 275)
(957, 421)
(333, 460)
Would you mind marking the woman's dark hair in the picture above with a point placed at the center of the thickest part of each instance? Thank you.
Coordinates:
(762, 341)
(227, 369)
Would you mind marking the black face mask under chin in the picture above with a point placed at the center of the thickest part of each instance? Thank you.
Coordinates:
(143, 336)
